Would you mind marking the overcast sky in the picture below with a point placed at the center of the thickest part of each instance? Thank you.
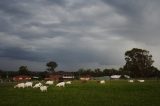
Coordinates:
(76, 33)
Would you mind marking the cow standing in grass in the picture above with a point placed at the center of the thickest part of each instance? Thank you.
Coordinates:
(37, 85)
(102, 82)
(28, 84)
(61, 84)
(49, 82)
(43, 88)
(20, 85)
(68, 82)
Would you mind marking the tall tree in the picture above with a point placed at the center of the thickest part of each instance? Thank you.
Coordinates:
(138, 62)
(23, 70)
(51, 66)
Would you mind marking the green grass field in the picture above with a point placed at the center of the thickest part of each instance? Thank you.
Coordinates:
(116, 93)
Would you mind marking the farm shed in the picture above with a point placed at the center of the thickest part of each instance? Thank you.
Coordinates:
(53, 77)
(85, 78)
(21, 78)
(68, 76)
(61, 75)
(102, 78)
(115, 76)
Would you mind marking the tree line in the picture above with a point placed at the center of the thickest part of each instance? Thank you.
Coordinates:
(139, 63)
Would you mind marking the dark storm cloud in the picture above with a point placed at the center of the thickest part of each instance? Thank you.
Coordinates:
(129, 8)
(76, 33)
(19, 53)
(142, 16)
(59, 2)
(11, 7)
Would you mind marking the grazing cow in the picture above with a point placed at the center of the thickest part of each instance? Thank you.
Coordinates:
(127, 76)
(37, 85)
(61, 84)
(20, 85)
(84, 79)
(131, 81)
(140, 80)
(28, 84)
(68, 82)
(43, 88)
(102, 82)
(49, 82)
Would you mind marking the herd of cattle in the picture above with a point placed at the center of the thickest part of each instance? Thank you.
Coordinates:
(43, 87)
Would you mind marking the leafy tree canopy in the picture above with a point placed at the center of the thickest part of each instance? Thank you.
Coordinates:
(138, 62)
(51, 66)
(23, 70)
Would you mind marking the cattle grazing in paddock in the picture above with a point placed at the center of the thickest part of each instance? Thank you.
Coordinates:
(49, 82)
(20, 85)
(127, 76)
(28, 84)
(37, 85)
(140, 80)
(61, 84)
(131, 81)
(102, 82)
(68, 82)
(43, 88)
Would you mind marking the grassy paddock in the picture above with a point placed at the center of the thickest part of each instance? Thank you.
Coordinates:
(114, 93)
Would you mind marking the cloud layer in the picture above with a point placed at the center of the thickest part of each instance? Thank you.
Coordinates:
(76, 33)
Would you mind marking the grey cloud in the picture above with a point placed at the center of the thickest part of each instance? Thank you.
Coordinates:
(14, 8)
(59, 2)
(76, 33)
(21, 54)
(142, 24)
(129, 8)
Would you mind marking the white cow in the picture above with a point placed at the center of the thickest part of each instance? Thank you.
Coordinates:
(20, 85)
(127, 76)
(37, 85)
(43, 88)
(28, 84)
(131, 81)
(68, 82)
(49, 82)
(140, 80)
(61, 84)
(102, 82)
(84, 79)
